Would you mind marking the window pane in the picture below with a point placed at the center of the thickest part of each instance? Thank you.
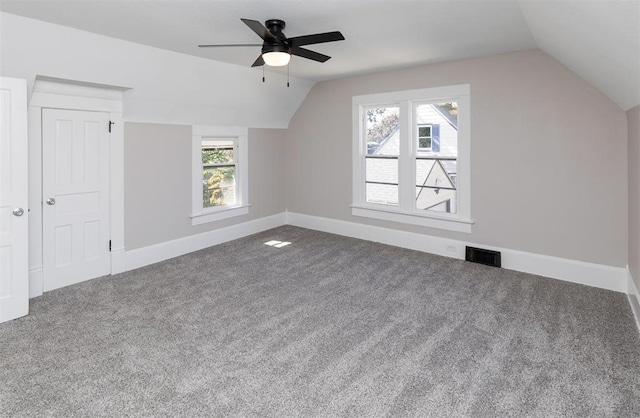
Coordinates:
(382, 139)
(225, 196)
(219, 186)
(381, 179)
(436, 200)
(217, 151)
(436, 162)
(423, 167)
(381, 130)
(424, 131)
(217, 155)
(424, 143)
(383, 170)
(435, 185)
(382, 193)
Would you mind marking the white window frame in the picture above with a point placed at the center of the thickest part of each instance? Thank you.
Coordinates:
(240, 137)
(406, 211)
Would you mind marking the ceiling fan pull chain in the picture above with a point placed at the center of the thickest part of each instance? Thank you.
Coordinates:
(263, 73)
(288, 66)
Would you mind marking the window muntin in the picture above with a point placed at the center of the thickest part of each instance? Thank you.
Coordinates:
(218, 172)
(432, 183)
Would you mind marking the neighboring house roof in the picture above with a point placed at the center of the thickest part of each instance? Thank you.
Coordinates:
(391, 144)
(451, 118)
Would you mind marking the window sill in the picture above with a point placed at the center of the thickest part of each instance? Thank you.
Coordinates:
(431, 221)
(218, 214)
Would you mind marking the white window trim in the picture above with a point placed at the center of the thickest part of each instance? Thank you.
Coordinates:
(199, 214)
(406, 212)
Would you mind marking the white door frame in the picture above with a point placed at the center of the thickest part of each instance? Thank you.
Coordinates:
(71, 95)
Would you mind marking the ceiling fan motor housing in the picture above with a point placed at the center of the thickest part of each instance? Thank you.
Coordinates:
(279, 44)
(268, 47)
(275, 26)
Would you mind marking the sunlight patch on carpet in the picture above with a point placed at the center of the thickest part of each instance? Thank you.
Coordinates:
(277, 244)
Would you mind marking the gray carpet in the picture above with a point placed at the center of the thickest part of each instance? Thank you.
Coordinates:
(326, 326)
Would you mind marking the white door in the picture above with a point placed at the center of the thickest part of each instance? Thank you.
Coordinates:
(75, 185)
(14, 265)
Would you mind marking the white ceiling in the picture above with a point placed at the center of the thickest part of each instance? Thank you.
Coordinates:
(599, 40)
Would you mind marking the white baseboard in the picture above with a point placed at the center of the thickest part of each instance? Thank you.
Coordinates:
(634, 297)
(36, 282)
(590, 274)
(36, 275)
(158, 252)
(118, 260)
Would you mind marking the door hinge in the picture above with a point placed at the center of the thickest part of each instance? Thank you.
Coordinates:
(109, 245)
(110, 123)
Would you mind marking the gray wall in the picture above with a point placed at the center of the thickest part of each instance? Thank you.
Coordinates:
(548, 155)
(157, 177)
(633, 120)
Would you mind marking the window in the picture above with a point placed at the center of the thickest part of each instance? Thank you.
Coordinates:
(424, 137)
(220, 173)
(411, 157)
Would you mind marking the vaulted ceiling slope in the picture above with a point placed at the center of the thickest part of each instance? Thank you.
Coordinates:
(599, 39)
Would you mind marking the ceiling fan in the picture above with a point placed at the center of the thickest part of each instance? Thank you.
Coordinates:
(277, 48)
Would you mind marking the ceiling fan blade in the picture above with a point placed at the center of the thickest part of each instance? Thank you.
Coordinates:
(213, 46)
(312, 55)
(318, 38)
(259, 28)
(259, 62)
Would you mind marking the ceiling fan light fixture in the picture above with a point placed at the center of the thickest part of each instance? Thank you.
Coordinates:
(276, 58)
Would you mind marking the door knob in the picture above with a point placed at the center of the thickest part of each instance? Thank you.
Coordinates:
(18, 211)
(51, 201)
